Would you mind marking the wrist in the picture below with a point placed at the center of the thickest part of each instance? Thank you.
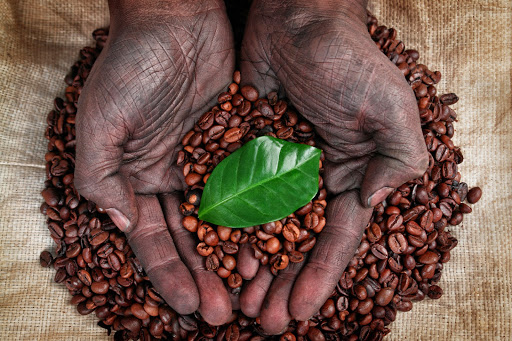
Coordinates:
(127, 11)
(352, 12)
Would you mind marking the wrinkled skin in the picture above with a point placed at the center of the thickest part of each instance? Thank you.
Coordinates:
(164, 64)
(161, 68)
(323, 59)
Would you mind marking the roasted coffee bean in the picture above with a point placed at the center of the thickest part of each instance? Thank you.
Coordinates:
(474, 195)
(234, 280)
(206, 121)
(379, 251)
(45, 259)
(233, 135)
(397, 243)
(232, 333)
(291, 232)
(249, 92)
(435, 292)
(229, 247)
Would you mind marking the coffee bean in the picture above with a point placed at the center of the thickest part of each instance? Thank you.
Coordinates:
(232, 333)
(45, 259)
(429, 257)
(229, 247)
(205, 121)
(203, 249)
(233, 135)
(379, 251)
(397, 243)
(474, 195)
(307, 245)
(249, 92)
(234, 280)
(295, 256)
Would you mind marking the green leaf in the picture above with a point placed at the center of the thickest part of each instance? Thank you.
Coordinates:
(265, 180)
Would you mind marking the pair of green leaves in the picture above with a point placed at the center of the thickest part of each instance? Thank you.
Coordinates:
(265, 180)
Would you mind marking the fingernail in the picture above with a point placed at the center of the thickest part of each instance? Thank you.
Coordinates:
(118, 218)
(379, 196)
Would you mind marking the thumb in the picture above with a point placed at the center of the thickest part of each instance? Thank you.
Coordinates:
(401, 152)
(99, 153)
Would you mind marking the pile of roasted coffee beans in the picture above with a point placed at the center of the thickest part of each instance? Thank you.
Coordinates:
(239, 117)
(400, 258)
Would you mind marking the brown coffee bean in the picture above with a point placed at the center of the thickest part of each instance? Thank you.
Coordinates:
(307, 244)
(216, 132)
(203, 249)
(265, 109)
(291, 232)
(45, 259)
(397, 243)
(114, 262)
(98, 237)
(206, 121)
(232, 333)
(435, 292)
(384, 296)
(273, 245)
(374, 233)
(229, 262)
(249, 92)
(229, 247)
(282, 262)
(394, 222)
(211, 238)
(193, 178)
(138, 311)
(295, 256)
(190, 223)
(51, 196)
(429, 257)
(234, 280)
(100, 287)
(84, 276)
(233, 135)
(379, 251)
(73, 250)
(474, 195)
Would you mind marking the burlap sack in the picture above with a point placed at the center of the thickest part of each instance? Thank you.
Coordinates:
(470, 42)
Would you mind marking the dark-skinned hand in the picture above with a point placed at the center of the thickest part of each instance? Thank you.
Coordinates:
(320, 55)
(163, 65)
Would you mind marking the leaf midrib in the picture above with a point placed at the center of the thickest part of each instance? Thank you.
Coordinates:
(296, 167)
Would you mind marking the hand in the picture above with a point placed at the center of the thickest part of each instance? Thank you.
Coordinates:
(321, 56)
(163, 65)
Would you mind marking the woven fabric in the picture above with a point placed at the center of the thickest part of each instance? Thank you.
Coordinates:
(470, 42)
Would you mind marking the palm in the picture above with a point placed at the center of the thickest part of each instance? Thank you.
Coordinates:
(151, 85)
(348, 93)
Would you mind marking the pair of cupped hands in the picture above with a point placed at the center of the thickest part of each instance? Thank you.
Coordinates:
(163, 66)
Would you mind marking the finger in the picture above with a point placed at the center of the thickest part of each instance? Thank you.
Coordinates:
(99, 151)
(215, 304)
(275, 316)
(154, 247)
(247, 265)
(235, 301)
(254, 292)
(336, 245)
(401, 151)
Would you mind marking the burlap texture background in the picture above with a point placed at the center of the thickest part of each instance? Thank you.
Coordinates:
(470, 42)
